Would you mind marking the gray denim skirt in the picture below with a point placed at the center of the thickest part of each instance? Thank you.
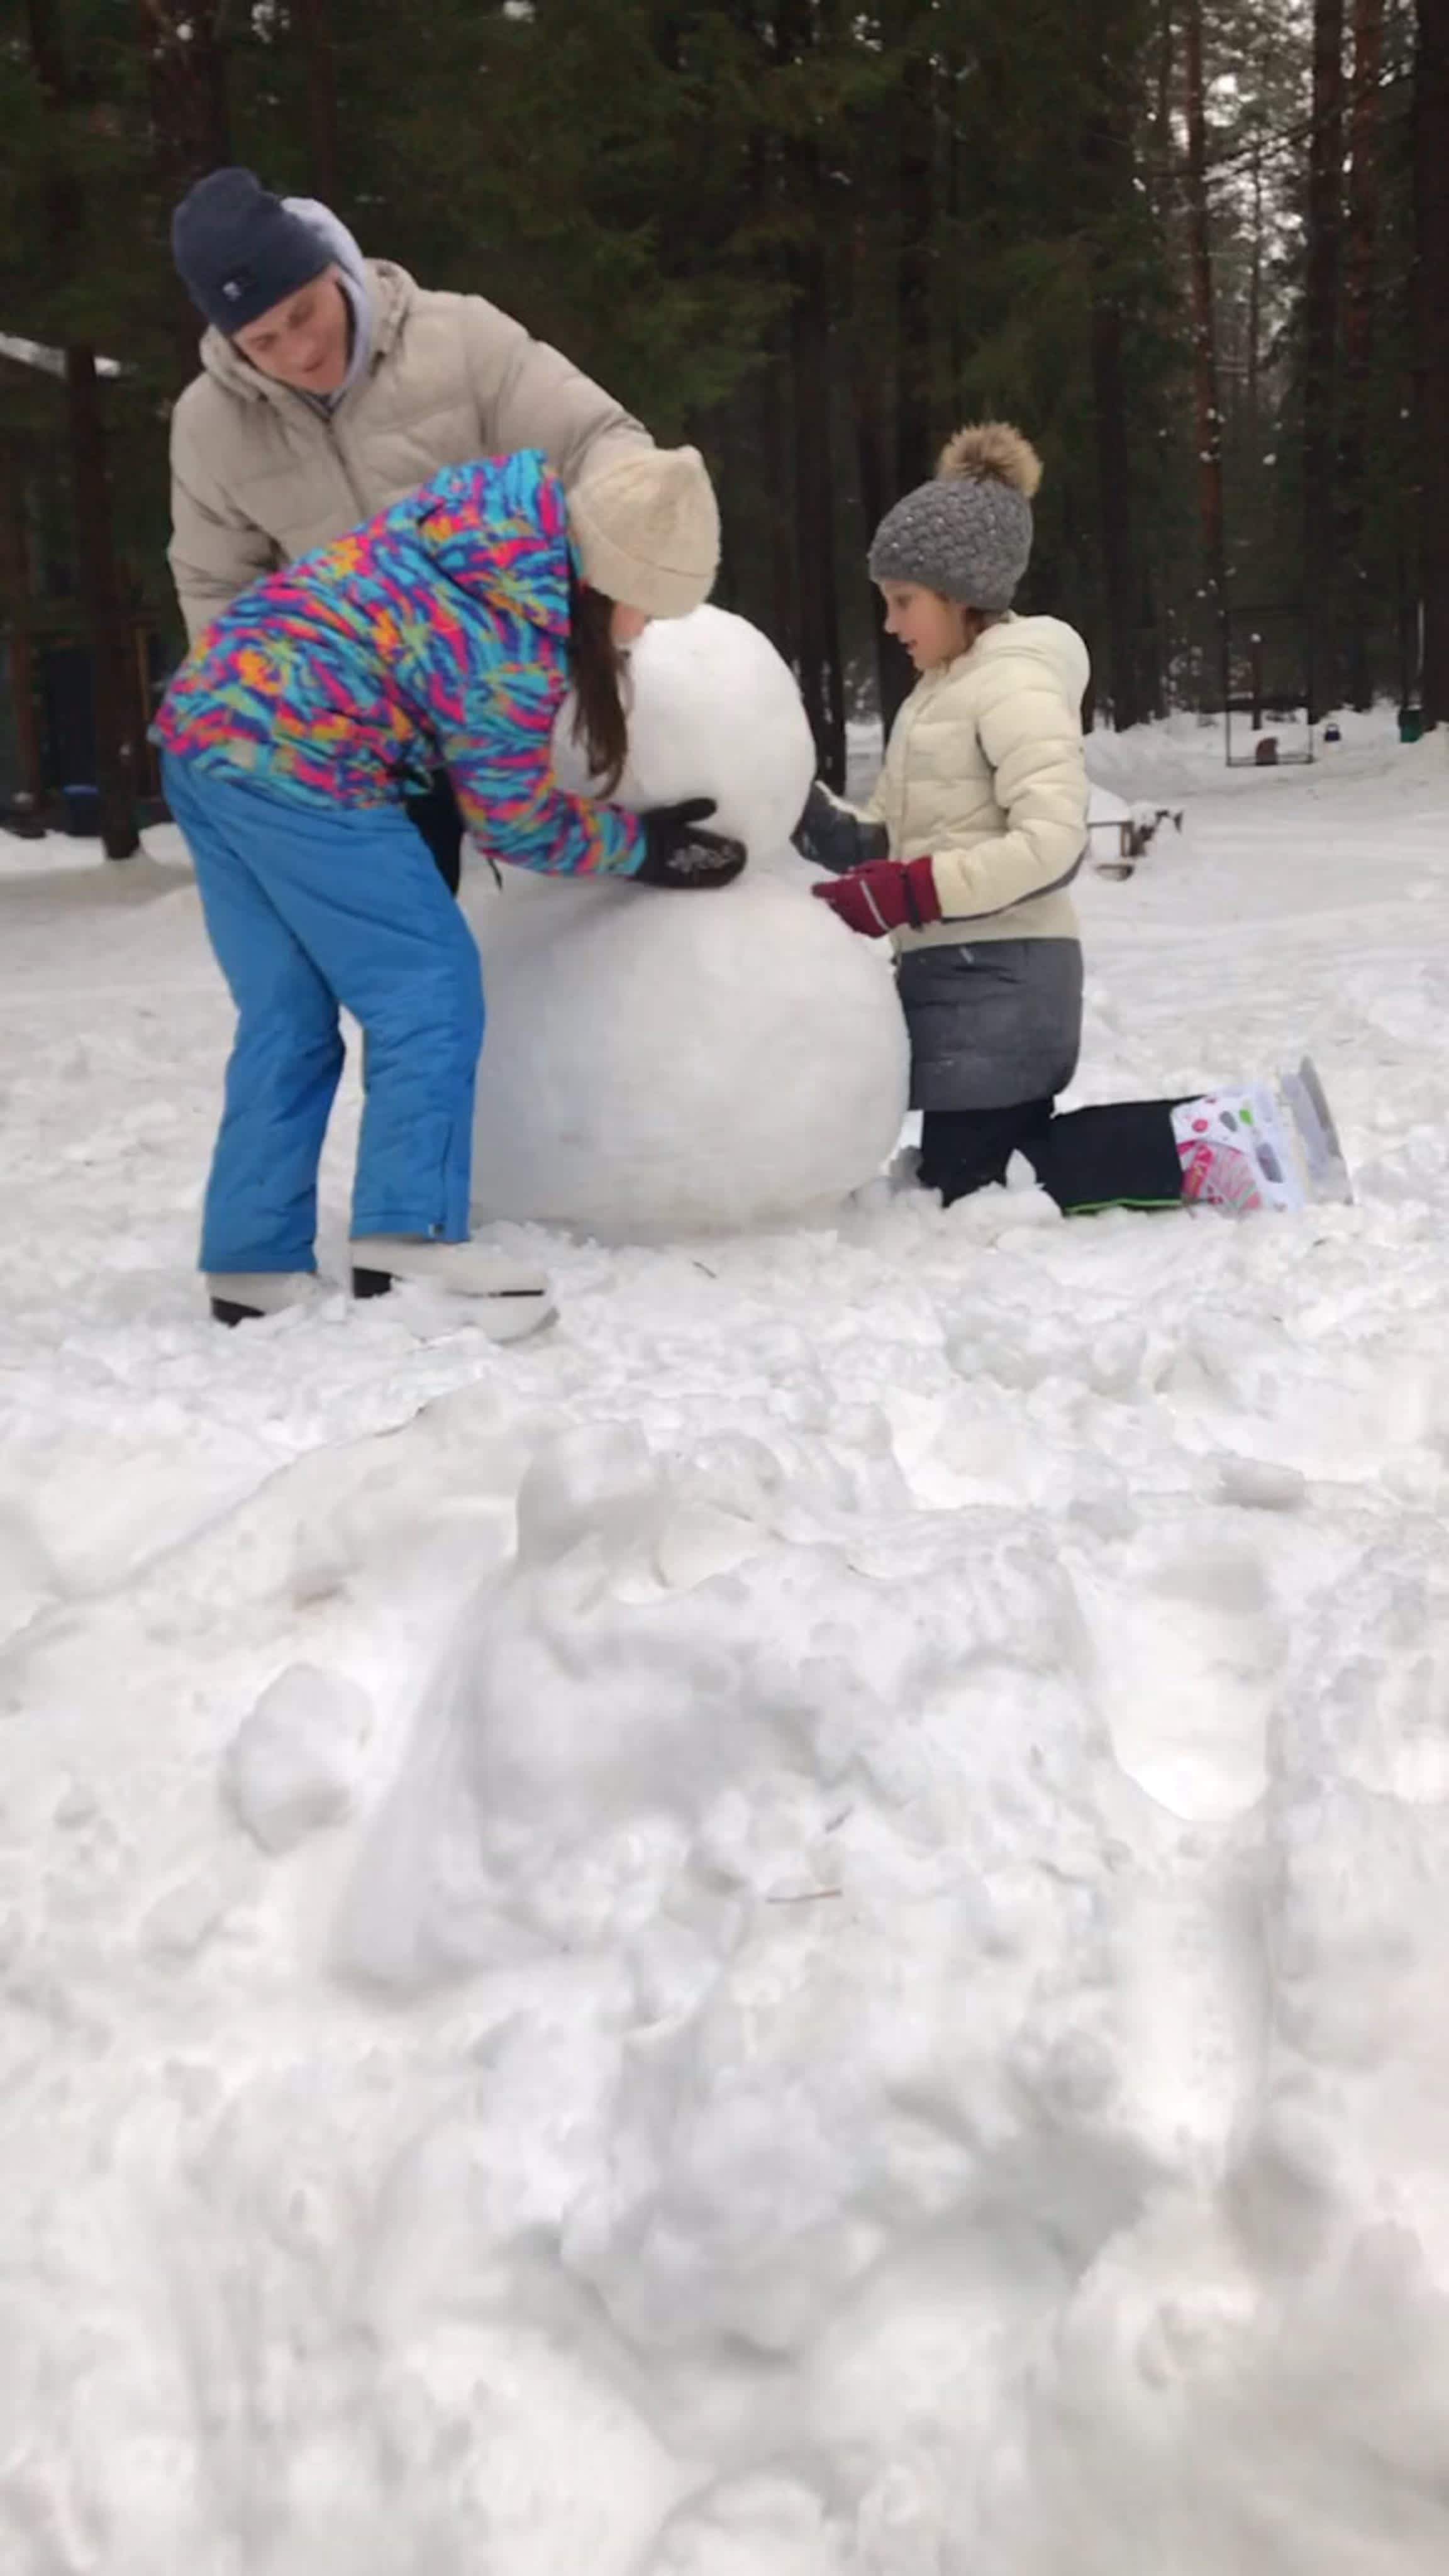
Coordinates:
(992, 1024)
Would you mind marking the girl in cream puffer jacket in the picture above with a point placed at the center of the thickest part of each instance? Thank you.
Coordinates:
(979, 821)
(964, 856)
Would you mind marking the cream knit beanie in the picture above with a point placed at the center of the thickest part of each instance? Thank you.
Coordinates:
(647, 530)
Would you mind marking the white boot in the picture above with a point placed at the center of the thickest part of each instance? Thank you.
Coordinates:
(241, 1296)
(514, 1297)
(1261, 1146)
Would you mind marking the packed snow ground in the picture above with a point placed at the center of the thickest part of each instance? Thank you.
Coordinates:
(796, 1932)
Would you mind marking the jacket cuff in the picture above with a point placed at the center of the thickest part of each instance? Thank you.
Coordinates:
(922, 898)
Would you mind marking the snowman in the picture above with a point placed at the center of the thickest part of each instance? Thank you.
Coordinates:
(660, 1065)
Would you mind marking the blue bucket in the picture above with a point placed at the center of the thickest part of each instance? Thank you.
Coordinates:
(82, 812)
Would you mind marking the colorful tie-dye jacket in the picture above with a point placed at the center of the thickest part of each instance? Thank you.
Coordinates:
(435, 635)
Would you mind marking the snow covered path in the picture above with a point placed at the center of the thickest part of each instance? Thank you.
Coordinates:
(827, 1959)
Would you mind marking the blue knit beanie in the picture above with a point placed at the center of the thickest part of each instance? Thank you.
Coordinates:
(238, 251)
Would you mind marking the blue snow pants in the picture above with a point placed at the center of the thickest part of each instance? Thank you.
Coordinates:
(309, 910)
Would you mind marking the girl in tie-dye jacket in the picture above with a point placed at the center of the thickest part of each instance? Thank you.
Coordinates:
(444, 633)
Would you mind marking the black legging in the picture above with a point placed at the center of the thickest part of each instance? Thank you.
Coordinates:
(1123, 1154)
(434, 813)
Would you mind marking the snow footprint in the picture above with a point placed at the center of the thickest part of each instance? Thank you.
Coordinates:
(1187, 1662)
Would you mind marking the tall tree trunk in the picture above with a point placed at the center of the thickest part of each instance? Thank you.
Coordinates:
(313, 22)
(1167, 204)
(1108, 177)
(109, 628)
(780, 465)
(954, 83)
(1320, 354)
(185, 49)
(108, 634)
(797, 31)
(1253, 371)
(1360, 278)
(916, 442)
(15, 612)
(1114, 484)
(916, 199)
(822, 677)
(190, 125)
(1154, 656)
(1165, 93)
(1431, 315)
(1207, 398)
(872, 462)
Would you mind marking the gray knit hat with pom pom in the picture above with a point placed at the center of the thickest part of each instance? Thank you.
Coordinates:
(966, 534)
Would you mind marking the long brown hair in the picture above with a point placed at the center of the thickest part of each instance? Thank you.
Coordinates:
(597, 664)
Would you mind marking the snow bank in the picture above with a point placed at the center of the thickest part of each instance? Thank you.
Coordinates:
(846, 1977)
(1187, 754)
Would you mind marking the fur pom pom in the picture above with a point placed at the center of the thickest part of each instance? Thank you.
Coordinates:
(991, 451)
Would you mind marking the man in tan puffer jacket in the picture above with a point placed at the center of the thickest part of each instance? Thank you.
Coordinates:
(978, 824)
(332, 386)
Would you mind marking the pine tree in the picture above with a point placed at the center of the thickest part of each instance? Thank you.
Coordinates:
(1359, 304)
(1207, 389)
(816, 238)
(1321, 330)
(17, 606)
(1431, 309)
(1115, 100)
(68, 230)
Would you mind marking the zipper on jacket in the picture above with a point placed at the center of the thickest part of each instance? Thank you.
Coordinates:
(913, 719)
(330, 425)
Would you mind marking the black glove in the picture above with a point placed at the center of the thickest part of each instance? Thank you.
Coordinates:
(680, 854)
(830, 836)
